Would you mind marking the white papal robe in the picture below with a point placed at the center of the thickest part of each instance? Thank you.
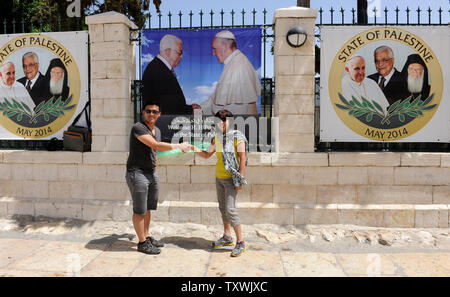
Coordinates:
(237, 90)
(16, 91)
(367, 89)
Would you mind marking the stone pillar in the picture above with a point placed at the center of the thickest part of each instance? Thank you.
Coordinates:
(294, 80)
(113, 67)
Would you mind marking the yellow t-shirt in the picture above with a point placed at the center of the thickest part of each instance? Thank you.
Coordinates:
(220, 167)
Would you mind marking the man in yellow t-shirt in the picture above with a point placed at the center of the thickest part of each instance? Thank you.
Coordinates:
(227, 188)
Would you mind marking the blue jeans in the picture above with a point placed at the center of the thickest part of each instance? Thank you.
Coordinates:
(144, 188)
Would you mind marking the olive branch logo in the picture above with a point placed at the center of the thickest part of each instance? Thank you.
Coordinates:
(20, 110)
(399, 108)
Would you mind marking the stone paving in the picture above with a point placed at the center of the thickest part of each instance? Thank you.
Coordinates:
(49, 247)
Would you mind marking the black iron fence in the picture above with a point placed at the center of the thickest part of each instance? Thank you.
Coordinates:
(380, 17)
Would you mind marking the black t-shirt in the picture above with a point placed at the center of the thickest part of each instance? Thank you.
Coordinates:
(142, 156)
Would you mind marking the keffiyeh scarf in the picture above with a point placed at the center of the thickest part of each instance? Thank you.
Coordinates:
(229, 155)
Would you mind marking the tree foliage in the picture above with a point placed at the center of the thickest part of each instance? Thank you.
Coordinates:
(51, 14)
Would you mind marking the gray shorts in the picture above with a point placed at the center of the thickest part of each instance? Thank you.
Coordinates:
(144, 188)
(226, 196)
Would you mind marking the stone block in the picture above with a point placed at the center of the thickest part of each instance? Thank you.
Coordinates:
(441, 194)
(123, 212)
(116, 32)
(122, 107)
(117, 143)
(422, 176)
(58, 210)
(395, 194)
(262, 193)
(336, 194)
(111, 191)
(92, 172)
(316, 215)
(445, 159)
(202, 161)
(180, 159)
(364, 159)
(59, 190)
(296, 124)
(115, 173)
(352, 176)
(254, 214)
(107, 158)
(22, 172)
(420, 159)
(44, 172)
(98, 143)
(185, 212)
(211, 214)
(304, 65)
(35, 189)
(295, 85)
(399, 217)
(110, 88)
(5, 171)
(110, 17)
(426, 216)
(82, 190)
(296, 143)
(96, 33)
(295, 104)
(198, 192)
(287, 175)
(169, 192)
(380, 175)
(320, 175)
(284, 65)
(259, 159)
(21, 207)
(300, 159)
(259, 175)
(99, 211)
(113, 50)
(178, 174)
(42, 157)
(67, 172)
(294, 194)
(11, 188)
(365, 215)
(203, 174)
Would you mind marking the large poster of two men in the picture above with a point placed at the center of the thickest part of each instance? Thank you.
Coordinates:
(194, 73)
(385, 84)
(43, 83)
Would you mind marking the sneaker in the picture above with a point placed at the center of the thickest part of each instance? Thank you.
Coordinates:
(155, 242)
(238, 249)
(147, 248)
(223, 241)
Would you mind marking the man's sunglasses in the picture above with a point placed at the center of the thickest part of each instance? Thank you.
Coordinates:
(153, 111)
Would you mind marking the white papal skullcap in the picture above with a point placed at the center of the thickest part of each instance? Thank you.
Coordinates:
(225, 34)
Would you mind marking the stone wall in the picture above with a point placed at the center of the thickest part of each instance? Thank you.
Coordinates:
(293, 186)
(372, 189)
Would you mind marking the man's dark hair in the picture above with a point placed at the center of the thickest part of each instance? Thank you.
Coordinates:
(151, 103)
(223, 115)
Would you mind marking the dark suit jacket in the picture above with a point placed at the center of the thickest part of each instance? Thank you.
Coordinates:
(161, 86)
(395, 88)
(40, 90)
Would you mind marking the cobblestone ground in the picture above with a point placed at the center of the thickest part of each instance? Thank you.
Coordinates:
(57, 247)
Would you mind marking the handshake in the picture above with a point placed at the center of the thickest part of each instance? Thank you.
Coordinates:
(186, 147)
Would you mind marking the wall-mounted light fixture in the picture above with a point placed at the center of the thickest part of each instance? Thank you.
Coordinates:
(296, 36)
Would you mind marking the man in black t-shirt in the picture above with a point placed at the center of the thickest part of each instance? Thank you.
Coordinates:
(141, 176)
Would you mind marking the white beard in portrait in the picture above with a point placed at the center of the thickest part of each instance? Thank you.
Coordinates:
(56, 87)
(415, 85)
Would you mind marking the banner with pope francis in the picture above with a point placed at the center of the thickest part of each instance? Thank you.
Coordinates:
(194, 73)
(43, 83)
(384, 84)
